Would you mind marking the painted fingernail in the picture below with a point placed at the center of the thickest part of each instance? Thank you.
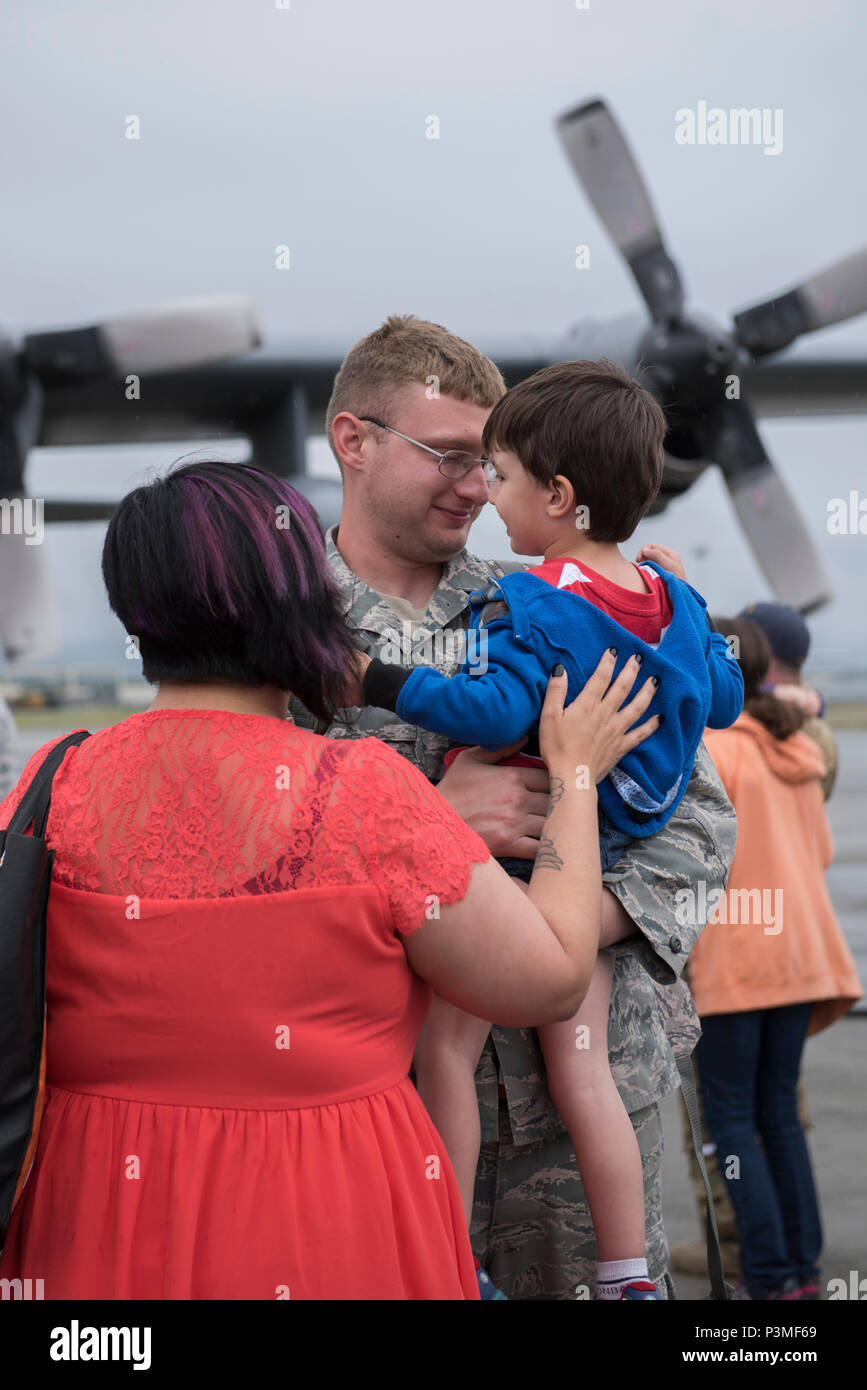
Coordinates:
(661, 718)
(655, 680)
(638, 657)
(559, 670)
(613, 651)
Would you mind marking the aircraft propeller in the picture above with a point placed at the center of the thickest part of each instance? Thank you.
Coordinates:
(694, 367)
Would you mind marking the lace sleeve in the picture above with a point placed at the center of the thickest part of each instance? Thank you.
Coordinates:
(16, 796)
(419, 851)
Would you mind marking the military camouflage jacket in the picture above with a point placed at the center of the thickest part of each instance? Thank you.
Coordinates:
(819, 730)
(652, 1016)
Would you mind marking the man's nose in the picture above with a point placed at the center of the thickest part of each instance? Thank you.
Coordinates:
(473, 486)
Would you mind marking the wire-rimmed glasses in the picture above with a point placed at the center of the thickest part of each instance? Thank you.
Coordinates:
(454, 463)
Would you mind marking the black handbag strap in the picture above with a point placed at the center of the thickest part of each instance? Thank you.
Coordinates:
(35, 803)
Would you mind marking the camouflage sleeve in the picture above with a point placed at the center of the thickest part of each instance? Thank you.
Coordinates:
(665, 882)
(819, 731)
(300, 715)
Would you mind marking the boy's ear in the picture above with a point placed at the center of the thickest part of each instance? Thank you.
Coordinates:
(562, 495)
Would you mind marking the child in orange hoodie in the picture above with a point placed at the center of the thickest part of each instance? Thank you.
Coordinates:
(771, 967)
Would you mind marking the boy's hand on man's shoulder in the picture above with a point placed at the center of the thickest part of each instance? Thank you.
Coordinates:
(807, 699)
(663, 556)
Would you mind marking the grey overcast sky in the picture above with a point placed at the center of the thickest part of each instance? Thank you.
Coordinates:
(304, 124)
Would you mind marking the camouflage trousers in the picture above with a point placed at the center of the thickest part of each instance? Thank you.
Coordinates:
(531, 1226)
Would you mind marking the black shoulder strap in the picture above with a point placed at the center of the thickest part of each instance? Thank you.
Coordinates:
(720, 1290)
(37, 799)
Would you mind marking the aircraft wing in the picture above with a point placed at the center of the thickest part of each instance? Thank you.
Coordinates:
(236, 397)
(808, 385)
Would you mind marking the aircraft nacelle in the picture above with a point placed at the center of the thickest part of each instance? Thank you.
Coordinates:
(695, 361)
(619, 339)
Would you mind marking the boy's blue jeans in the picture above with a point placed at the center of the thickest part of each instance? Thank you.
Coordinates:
(748, 1066)
(612, 843)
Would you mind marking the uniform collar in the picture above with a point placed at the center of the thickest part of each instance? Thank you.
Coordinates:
(462, 574)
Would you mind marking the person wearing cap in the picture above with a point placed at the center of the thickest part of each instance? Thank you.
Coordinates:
(762, 984)
(789, 638)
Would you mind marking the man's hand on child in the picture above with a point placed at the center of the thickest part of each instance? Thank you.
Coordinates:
(352, 695)
(663, 556)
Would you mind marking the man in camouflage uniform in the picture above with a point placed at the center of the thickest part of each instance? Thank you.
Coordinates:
(531, 1226)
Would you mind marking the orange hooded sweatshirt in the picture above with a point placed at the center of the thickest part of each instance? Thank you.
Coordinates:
(773, 938)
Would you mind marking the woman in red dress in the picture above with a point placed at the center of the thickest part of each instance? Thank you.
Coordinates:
(245, 925)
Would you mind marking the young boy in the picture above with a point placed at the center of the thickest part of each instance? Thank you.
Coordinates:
(576, 456)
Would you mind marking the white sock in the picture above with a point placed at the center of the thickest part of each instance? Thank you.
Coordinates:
(612, 1276)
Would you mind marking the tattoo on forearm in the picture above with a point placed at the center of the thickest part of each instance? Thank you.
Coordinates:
(558, 786)
(546, 855)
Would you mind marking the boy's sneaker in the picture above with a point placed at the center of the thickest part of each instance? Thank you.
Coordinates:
(487, 1291)
(640, 1289)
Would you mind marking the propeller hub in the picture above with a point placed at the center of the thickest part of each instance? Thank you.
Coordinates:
(688, 362)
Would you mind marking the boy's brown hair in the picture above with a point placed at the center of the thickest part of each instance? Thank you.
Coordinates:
(407, 350)
(597, 426)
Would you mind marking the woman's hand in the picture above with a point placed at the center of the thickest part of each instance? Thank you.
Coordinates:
(592, 732)
(666, 558)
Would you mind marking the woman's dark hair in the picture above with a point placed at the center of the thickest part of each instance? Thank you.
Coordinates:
(752, 651)
(219, 571)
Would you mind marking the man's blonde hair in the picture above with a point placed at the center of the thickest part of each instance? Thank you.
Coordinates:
(405, 350)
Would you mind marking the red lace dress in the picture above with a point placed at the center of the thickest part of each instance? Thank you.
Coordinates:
(232, 1017)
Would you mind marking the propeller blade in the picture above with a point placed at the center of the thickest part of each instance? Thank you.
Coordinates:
(29, 620)
(768, 515)
(835, 294)
(601, 159)
(782, 544)
(191, 334)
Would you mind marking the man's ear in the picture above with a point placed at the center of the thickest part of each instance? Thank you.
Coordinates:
(349, 434)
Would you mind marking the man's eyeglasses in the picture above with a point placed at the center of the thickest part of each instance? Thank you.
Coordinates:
(454, 463)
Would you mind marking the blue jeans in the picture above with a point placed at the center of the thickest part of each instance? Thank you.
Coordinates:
(612, 843)
(748, 1066)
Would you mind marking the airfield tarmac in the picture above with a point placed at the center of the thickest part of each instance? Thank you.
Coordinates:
(835, 1060)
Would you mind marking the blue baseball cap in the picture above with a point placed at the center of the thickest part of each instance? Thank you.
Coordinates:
(784, 628)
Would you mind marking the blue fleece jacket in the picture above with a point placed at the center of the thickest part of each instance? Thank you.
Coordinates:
(497, 695)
